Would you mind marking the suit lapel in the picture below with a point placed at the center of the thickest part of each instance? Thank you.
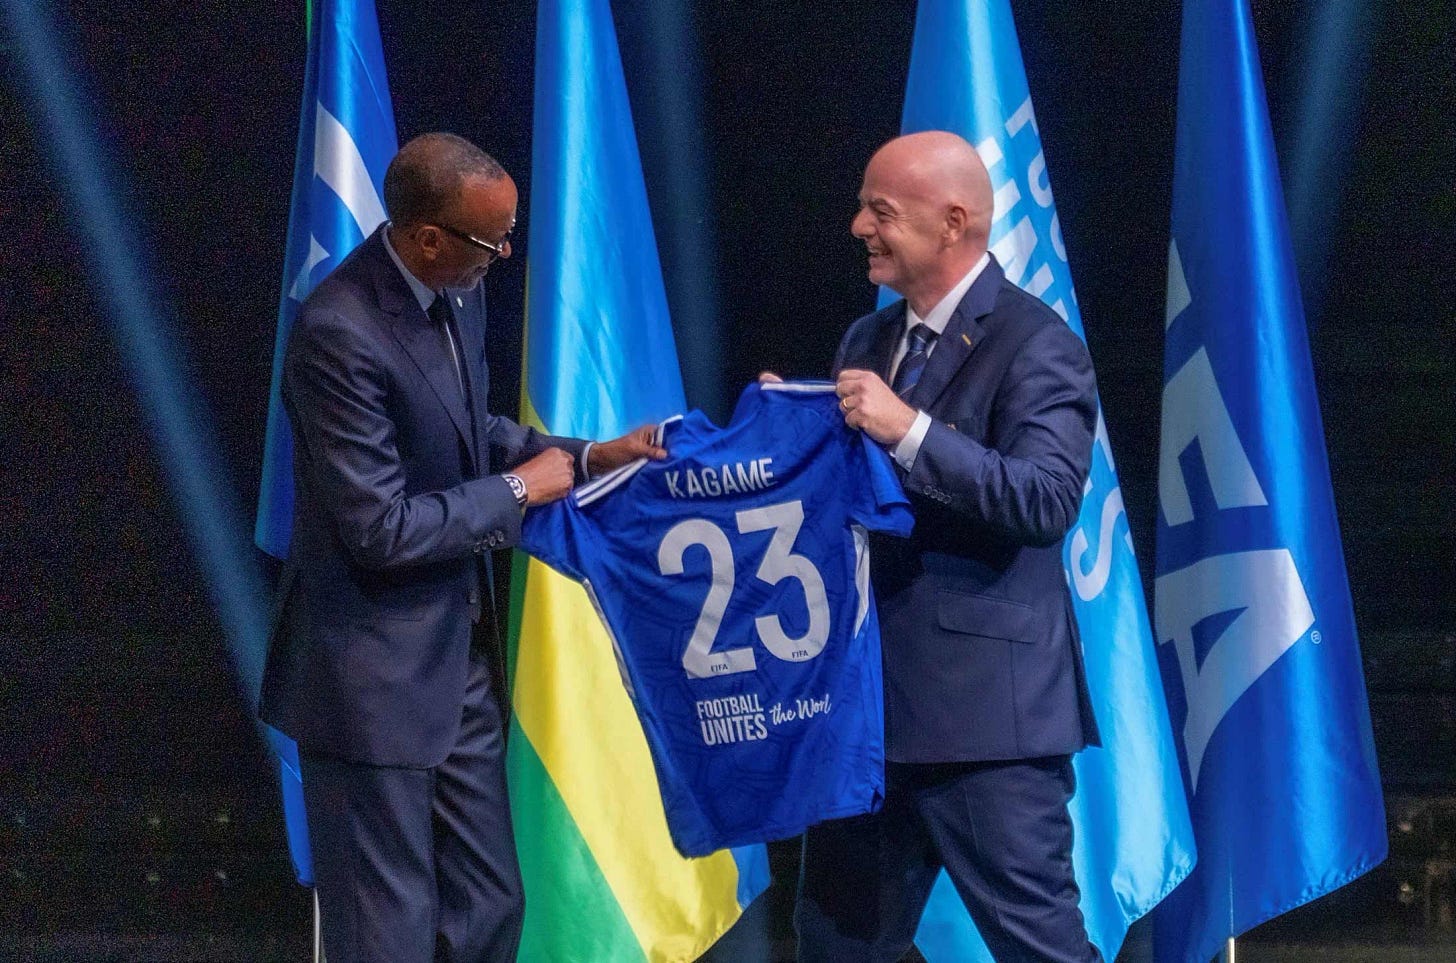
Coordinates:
(887, 338)
(425, 346)
(960, 339)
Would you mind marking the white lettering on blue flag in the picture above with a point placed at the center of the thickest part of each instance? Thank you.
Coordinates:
(1091, 582)
(1274, 613)
(1178, 296)
(1019, 229)
(1258, 649)
(1261, 589)
(1194, 410)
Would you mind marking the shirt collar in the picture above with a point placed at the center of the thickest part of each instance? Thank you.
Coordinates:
(938, 317)
(422, 291)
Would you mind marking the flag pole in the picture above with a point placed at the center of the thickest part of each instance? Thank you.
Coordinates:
(318, 930)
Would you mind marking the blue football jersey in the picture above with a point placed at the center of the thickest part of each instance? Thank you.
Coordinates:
(733, 579)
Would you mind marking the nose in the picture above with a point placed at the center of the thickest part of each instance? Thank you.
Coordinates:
(861, 225)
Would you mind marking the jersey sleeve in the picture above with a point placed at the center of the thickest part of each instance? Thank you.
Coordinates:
(878, 502)
(557, 535)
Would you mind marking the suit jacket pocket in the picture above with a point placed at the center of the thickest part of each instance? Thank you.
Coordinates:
(985, 616)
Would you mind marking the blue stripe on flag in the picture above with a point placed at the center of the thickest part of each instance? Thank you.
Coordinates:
(601, 359)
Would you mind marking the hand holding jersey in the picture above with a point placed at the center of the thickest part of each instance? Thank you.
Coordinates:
(734, 583)
(546, 477)
(869, 405)
(605, 456)
(550, 475)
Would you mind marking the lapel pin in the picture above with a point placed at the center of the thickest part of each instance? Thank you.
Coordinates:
(965, 339)
(460, 303)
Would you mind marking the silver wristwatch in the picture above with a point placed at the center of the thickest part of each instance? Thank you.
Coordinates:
(518, 488)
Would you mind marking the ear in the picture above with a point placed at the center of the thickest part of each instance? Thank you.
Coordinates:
(430, 240)
(957, 219)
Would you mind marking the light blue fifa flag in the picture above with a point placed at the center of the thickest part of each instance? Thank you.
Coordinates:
(346, 138)
(1133, 840)
(1252, 607)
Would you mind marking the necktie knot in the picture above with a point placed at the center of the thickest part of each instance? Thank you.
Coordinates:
(439, 310)
(918, 342)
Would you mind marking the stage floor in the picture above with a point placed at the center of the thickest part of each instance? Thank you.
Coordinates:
(202, 877)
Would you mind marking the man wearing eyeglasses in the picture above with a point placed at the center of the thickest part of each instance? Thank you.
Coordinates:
(385, 663)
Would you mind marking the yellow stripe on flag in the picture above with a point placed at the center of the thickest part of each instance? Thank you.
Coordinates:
(570, 702)
(586, 732)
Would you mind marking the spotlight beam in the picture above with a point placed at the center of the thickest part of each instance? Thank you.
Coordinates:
(185, 438)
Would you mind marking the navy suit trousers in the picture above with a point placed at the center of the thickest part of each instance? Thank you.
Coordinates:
(1000, 830)
(414, 865)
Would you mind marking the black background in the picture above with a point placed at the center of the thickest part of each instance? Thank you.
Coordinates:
(135, 801)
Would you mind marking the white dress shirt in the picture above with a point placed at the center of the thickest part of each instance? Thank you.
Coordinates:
(936, 320)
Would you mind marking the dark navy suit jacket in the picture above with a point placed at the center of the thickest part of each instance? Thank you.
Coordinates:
(982, 657)
(396, 508)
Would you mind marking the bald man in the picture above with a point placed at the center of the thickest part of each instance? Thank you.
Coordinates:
(385, 663)
(986, 401)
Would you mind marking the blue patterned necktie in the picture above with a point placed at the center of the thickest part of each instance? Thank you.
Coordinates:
(913, 364)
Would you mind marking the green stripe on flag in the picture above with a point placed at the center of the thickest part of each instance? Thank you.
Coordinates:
(571, 914)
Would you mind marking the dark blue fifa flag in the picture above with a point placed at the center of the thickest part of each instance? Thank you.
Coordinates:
(346, 138)
(1252, 607)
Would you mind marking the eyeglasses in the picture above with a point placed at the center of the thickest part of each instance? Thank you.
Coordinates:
(497, 249)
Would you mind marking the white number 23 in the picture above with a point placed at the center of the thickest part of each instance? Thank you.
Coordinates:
(779, 562)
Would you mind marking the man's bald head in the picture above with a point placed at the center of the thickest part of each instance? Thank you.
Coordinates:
(428, 175)
(925, 215)
(942, 169)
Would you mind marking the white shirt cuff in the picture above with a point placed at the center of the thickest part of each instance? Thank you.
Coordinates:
(904, 453)
(585, 450)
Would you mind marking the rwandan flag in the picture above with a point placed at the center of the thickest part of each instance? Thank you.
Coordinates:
(603, 881)
(1255, 626)
(1133, 839)
(346, 138)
